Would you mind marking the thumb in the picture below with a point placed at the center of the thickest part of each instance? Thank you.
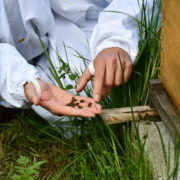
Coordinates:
(31, 94)
(83, 80)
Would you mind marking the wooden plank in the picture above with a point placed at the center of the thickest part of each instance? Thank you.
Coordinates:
(120, 115)
(165, 107)
(170, 65)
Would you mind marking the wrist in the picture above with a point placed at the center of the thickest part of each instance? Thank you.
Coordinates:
(32, 88)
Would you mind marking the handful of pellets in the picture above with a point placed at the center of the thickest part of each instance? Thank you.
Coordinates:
(75, 103)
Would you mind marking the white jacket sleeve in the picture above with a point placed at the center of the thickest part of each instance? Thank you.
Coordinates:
(14, 73)
(117, 28)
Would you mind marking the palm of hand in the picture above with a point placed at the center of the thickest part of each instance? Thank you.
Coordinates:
(60, 102)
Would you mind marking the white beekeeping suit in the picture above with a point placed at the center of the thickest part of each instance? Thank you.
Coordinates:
(88, 26)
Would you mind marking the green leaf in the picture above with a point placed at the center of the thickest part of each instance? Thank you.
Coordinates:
(20, 170)
(31, 171)
(23, 160)
(72, 76)
(16, 177)
(69, 86)
(39, 164)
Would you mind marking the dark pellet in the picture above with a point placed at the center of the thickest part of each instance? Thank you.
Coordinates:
(80, 107)
(74, 99)
(82, 101)
(76, 104)
(70, 104)
(90, 104)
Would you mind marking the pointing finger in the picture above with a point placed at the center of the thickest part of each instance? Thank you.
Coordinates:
(83, 80)
(127, 71)
(98, 83)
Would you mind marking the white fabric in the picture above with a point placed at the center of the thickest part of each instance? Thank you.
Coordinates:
(73, 23)
(91, 68)
(37, 86)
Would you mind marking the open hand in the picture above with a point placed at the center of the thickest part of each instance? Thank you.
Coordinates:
(113, 67)
(60, 102)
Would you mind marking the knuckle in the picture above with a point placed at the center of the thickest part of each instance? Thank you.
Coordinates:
(110, 62)
(113, 62)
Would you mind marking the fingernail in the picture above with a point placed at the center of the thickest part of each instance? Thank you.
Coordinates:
(97, 97)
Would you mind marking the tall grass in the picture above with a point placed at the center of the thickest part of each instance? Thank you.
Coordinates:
(147, 62)
(99, 151)
(100, 154)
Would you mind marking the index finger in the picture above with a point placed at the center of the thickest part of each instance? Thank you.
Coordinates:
(98, 83)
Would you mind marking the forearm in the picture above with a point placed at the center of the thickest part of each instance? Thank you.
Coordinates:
(14, 73)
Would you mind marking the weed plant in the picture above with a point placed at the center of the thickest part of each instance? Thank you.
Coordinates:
(99, 151)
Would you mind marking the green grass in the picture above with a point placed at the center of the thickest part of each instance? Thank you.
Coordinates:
(99, 151)
(97, 154)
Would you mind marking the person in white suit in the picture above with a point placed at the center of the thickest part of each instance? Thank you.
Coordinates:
(99, 30)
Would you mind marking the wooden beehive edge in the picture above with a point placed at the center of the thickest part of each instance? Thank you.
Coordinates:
(120, 115)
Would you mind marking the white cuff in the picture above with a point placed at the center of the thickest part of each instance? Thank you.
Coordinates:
(91, 68)
(20, 96)
(37, 86)
(132, 51)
